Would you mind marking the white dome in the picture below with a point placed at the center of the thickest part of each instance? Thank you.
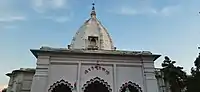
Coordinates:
(92, 35)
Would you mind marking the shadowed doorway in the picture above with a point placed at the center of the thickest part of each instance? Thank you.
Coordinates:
(130, 87)
(96, 85)
(61, 86)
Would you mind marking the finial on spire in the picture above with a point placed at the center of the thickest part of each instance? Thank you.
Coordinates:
(93, 13)
(93, 8)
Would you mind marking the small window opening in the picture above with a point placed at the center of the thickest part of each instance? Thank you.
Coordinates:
(92, 42)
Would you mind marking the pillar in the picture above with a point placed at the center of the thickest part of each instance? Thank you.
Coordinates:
(40, 79)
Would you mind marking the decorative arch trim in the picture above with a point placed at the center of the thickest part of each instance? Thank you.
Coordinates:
(58, 83)
(131, 84)
(94, 80)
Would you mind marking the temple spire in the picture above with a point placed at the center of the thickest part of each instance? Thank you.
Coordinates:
(93, 13)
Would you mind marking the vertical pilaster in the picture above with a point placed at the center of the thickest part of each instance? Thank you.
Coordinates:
(10, 84)
(151, 81)
(144, 76)
(79, 76)
(40, 79)
(114, 78)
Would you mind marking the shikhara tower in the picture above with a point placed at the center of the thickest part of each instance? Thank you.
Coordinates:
(92, 64)
(92, 35)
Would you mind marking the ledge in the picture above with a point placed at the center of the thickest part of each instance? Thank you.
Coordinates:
(36, 52)
(31, 70)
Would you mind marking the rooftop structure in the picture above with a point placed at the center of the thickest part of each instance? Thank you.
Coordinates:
(92, 35)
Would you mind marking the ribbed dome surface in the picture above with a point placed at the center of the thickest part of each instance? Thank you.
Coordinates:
(92, 28)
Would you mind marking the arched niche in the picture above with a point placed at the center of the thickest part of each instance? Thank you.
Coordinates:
(130, 87)
(61, 86)
(96, 85)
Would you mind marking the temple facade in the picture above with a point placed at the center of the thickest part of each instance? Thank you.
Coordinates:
(21, 80)
(91, 63)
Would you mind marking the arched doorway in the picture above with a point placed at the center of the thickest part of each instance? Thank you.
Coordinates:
(96, 85)
(130, 87)
(61, 86)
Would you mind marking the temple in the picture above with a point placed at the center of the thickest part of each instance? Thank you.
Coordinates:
(91, 63)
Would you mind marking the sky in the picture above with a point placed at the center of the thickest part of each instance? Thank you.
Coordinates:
(166, 27)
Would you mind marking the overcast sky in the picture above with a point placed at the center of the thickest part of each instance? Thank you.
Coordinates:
(166, 27)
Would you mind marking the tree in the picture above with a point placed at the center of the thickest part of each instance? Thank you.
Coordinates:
(174, 75)
(194, 80)
(197, 63)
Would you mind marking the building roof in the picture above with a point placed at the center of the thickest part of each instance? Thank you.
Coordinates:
(31, 70)
(92, 27)
(36, 52)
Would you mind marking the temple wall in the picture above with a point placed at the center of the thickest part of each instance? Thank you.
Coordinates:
(80, 69)
(74, 71)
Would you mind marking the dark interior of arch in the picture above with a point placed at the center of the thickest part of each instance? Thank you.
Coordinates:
(96, 86)
(131, 89)
(62, 88)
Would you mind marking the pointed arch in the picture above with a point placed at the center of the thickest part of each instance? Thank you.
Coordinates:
(93, 81)
(131, 86)
(62, 84)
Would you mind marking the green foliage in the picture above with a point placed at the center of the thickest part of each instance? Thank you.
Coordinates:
(174, 75)
(197, 63)
(194, 80)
